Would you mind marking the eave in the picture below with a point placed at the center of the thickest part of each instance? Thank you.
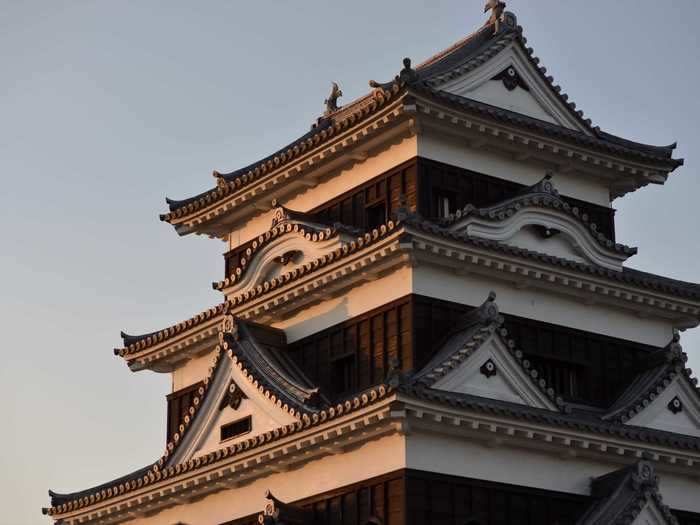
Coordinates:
(428, 244)
(357, 134)
(480, 126)
(351, 424)
(403, 412)
(412, 242)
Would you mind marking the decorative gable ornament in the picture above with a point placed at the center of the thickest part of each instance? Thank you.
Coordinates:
(294, 239)
(540, 220)
(511, 79)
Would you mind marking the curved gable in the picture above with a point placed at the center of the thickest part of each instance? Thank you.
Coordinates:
(292, 242)
(541, 221)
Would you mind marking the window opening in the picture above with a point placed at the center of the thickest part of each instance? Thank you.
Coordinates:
(236, 428)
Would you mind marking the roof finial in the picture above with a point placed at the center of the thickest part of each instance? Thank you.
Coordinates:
(332, 100)
(497, 9)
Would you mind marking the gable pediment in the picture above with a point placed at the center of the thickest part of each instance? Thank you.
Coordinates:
(478, 359)
(252, 388)
(676, 409)
(492, 372)
(254, 411)
(291, 243)
(510, 81)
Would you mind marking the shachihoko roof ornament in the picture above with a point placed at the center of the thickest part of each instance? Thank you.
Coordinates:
(427, 80)
(497, 9)
(332, 100)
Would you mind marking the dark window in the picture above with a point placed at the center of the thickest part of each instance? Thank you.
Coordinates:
(444, 203)
(355, 354)
(343, 374)
(237, 428)
(376, 215)
(469, 187)
(373, 203)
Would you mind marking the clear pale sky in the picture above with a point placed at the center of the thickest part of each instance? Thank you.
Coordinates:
(107, 107)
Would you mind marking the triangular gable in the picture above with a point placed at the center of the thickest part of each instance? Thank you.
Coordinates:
(478, 359)
(293, 241)
(250, 390)
(540, 220)
(675, 409)
(663, 397)
(497, 68)
(629, 496)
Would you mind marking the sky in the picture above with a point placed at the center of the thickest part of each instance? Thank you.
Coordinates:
(107, 107)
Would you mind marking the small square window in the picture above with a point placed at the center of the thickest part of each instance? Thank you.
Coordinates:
(236, 428)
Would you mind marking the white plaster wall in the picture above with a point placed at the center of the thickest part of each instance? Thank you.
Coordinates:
(541, 305)
(355, 302)
(457, 456)
(261, 421)
(194, 370)
(493, 92)
(559, 245)
(332, 186)
(446, 148)
(377, 457)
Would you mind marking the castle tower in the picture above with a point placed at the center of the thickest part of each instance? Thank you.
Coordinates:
(426, 318)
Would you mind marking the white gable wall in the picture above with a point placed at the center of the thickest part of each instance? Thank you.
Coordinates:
(658, 416)
(193, 371)
(539, 102)
(493, 92)
(510, 382)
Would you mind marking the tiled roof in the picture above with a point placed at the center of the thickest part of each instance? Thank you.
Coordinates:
(255, 350)
(136, 343)
(578, 420)
(622, 495)
(328, 129)
(279, 380)
(627, 275)
(654, 154)
(541, 195)
(285, 222)
(468, 54)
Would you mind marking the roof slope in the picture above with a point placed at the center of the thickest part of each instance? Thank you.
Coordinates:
(464, 56)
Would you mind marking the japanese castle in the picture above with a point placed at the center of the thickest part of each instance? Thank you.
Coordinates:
(426, 318)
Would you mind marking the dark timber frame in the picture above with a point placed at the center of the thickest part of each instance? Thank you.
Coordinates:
(413, 497)
(583, 367)
(422, 185)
